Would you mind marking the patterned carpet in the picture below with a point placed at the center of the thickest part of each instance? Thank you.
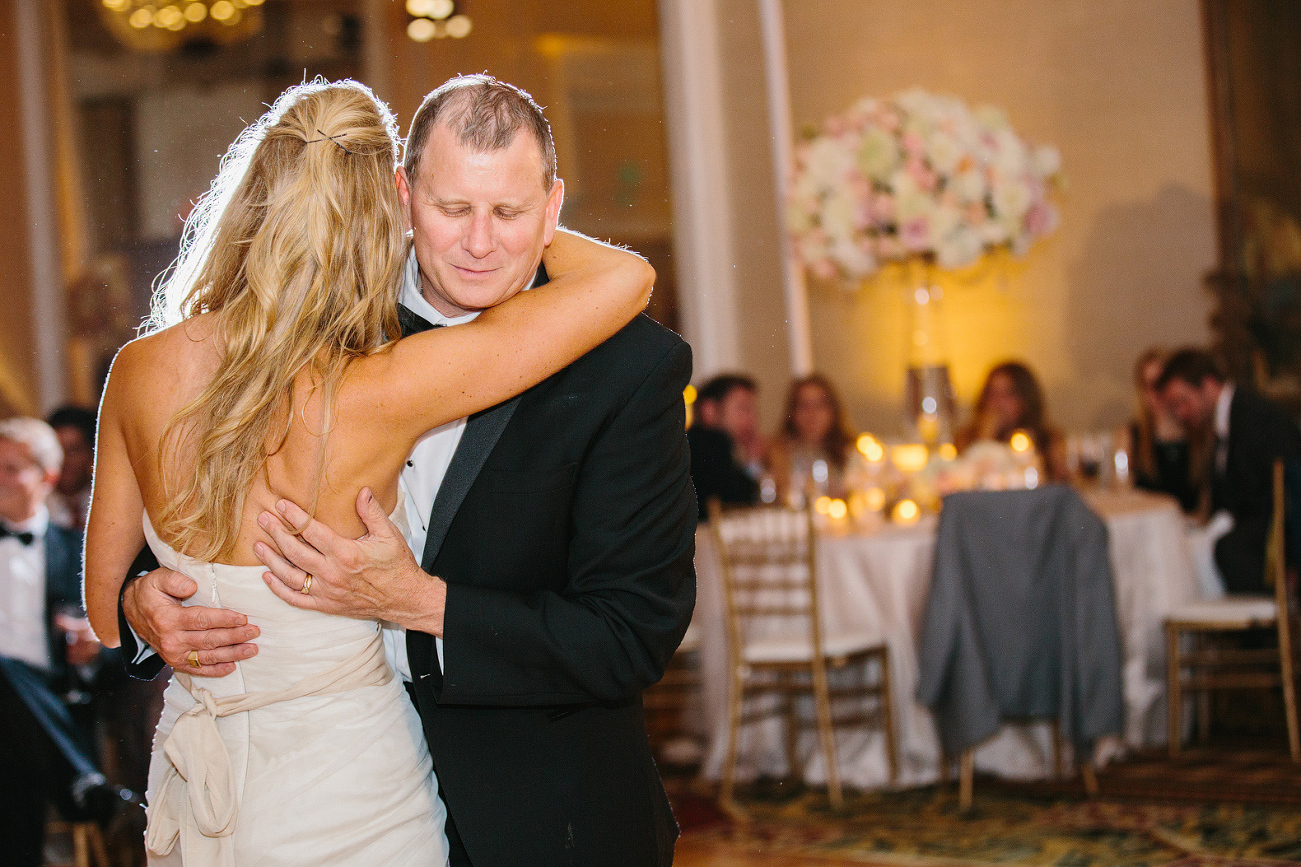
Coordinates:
(1243, 810)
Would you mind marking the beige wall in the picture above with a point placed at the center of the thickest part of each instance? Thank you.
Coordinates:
(1118, 87)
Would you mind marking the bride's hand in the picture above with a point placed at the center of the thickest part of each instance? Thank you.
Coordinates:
(374, 577)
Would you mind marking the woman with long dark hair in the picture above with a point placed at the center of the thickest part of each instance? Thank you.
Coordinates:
(1012, 400)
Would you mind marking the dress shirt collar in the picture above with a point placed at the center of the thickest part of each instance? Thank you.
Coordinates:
(36, 525)
(414, 300)
(1222, 412)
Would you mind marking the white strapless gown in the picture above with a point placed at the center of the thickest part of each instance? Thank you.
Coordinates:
(340, 777)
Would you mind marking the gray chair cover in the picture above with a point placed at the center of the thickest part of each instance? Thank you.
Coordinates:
(1021, 619)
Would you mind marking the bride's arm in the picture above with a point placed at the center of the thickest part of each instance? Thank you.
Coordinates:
(114, 534)
(450, 373)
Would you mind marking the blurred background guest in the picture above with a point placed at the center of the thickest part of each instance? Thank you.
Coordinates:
(1012, 400)
(75, 427)
(49, 660)
(813, 430)
(1249, 433)
(1164, 458)
(726, 449)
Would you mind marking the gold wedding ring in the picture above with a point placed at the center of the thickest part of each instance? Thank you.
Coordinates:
(307, 584)
(193, 659)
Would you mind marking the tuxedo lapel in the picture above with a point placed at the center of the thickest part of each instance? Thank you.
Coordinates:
(481, 434)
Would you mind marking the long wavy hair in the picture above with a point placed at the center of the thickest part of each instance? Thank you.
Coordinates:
(297, 248)
(839, 437)
(1144, 422)
(1034, 415)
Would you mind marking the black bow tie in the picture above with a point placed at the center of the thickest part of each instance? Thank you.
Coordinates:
(22, 537)
(413, 323)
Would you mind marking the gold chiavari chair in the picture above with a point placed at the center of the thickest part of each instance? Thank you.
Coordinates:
(778, 643)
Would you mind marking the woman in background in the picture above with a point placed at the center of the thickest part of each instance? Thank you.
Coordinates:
(813, 430)
(1012, 400)
(1163, 458)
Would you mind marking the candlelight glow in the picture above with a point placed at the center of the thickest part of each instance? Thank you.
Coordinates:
(1020, 442)
(906, 512)
(910, 458)
(871, 448)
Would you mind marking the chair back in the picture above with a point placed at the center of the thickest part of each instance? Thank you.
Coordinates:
(769, 570)
(1276, 556)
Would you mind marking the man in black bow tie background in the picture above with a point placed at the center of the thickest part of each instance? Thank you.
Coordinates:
(1250, 433)
(555, 531)
(47, 653)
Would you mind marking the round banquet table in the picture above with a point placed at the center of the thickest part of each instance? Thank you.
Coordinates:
(875, 580)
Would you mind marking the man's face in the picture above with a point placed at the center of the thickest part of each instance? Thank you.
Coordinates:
(738, 414)
(24, 485)
(479, 220)
(78, 460)
(1193, 405)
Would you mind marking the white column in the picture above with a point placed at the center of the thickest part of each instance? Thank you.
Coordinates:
(779, 113)
(702, 223)
(49, 325)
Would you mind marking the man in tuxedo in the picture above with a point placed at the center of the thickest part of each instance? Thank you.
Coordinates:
(722, 434)
(555, 531)
(1250, 434)
(45, 743)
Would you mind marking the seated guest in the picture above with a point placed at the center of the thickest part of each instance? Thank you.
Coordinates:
(1011, 400)
(75, 427)
(1249, 433)
(47, 653)
(813, 429)
(1160, 451)
(722, 438)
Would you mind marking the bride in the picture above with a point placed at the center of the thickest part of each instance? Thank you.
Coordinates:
(270, 372)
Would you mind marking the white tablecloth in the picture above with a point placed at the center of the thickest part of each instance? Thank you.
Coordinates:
(877, 581)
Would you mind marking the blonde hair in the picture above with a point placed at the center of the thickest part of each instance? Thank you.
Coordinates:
(298, 247)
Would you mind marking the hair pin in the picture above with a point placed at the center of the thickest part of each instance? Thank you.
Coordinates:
(334, 138)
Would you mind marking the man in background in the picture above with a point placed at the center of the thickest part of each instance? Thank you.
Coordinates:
(70, 500)
(48, 656)
(1250, 433)
(726, 447)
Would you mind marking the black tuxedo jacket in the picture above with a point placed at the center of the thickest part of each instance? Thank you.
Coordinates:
(565, 531)
(1259, 433)
(31, 702)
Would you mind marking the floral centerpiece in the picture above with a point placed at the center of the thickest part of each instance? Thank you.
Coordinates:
(918, 175)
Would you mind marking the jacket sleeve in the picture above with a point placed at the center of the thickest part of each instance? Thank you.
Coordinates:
(139, 659)
(631, 583)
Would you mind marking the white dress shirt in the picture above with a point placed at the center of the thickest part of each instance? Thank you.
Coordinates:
(22, 593)
(423, 474)
(1222, 406)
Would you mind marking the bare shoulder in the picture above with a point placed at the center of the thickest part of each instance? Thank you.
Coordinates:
(157, 370)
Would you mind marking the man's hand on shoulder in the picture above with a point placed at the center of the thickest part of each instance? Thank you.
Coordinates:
(153, 606)
(374, 577)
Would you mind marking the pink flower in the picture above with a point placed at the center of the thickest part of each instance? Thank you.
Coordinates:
(824, 269)
(883, 210)
(921, 175)
(915, 234)
(1040, 219)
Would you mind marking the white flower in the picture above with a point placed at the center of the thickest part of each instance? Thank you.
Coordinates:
(879, 154)
(1046, 161)
(853, 259)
